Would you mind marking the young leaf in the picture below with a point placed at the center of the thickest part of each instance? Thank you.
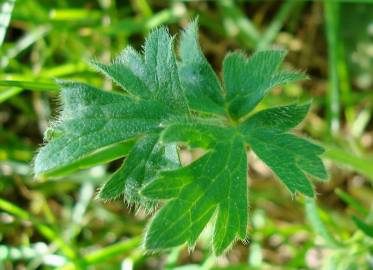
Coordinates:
(167, 104)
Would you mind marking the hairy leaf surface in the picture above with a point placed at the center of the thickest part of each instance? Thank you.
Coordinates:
(143, 163)
(247, 80)
(204, 91)
(166, 104)
(92, 119)
(289, 156)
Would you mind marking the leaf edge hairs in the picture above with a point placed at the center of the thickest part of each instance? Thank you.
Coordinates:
(167, 103)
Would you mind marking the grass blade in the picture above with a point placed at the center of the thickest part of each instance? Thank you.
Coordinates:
(235, 20)
(352, 202)
(364, 227)
(276, 24)
(317, 224)
(331, 10)
(43, 229)
(6, 9)
(8, 93)
(23, 43)
(107, 253)
(75, 15)
(362, 165)
(35, 86)
(131, 26)
(107, 154)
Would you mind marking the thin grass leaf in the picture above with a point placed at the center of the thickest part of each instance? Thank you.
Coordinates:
(331, 11)
(23, 43)
(6, 9)
(361, 164)
(363, 226)
(30, 85)
(234, 18)
(43, 229)
(352, 202)
(9, 93)
(317, 224)
(276, 24)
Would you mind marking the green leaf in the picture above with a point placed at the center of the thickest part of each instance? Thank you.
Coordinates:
(352, 202)
(165, 104)
(315, 217)
(280, 118)
(100, 156)
(128, 71)
(202, 86)
(152, 76)
(34, 85)
(144, 162)
(364, 227)
(92, 119)
(247, 80)
(214, 183)
(6, 8)
(162, 73)
(289, 156)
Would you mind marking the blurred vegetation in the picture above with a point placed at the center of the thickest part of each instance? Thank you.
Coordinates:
(58, 224)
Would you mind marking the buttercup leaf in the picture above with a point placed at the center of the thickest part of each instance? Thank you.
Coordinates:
(165, 104)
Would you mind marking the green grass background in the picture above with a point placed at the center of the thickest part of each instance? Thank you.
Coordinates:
(58, 224)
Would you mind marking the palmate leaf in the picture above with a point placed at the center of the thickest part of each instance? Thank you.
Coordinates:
(166, 103)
